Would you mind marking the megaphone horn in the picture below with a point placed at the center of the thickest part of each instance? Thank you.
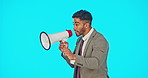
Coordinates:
(48, 39)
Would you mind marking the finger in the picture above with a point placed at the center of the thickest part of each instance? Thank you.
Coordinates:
(61, 47)
(61, 41)
(61, 44)
(65, 42)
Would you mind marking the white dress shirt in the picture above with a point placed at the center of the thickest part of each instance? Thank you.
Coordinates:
(85, 38)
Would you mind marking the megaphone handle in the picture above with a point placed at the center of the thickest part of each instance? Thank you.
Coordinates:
(63, 40)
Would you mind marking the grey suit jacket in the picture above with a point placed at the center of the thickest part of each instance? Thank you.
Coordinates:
(93, 62)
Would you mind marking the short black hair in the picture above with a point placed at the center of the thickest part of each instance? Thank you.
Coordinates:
(83, 15)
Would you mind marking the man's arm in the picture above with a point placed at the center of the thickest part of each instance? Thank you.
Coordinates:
(66, 51)
(67, 60)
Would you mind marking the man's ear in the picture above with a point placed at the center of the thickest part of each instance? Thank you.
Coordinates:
(87, 25)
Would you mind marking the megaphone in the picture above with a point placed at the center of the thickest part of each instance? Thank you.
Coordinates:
(48, 39)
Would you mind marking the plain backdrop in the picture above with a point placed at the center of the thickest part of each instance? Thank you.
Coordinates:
(124, 23)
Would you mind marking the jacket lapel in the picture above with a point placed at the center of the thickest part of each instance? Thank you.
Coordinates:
(89, 41)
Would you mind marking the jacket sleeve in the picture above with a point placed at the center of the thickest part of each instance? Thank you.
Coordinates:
(66, 58)
(97, 57)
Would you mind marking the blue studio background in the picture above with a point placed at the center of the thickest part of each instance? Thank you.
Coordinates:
(123, 22)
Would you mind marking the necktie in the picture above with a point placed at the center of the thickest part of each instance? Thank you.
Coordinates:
(80, 53)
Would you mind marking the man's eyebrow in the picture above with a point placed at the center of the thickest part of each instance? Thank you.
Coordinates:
(75, 22)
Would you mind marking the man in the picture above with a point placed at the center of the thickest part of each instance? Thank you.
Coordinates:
(90, 54)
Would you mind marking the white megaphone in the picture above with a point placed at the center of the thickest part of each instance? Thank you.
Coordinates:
(48, 39)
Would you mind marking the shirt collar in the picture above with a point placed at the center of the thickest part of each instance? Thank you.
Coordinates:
(88, 35)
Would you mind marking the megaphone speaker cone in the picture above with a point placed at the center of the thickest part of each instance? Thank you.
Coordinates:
(45, 40)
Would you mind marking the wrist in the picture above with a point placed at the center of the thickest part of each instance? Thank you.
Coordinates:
(73, 57)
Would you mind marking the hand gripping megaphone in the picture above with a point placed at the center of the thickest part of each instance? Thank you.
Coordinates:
(48, 39)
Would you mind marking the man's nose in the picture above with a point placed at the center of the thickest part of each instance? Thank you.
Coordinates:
(74, 27)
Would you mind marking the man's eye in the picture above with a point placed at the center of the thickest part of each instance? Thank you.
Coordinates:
(76, 24)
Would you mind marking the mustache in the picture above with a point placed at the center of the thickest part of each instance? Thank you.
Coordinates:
(76, 31)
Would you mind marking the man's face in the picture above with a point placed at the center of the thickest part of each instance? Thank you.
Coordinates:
(78, 26)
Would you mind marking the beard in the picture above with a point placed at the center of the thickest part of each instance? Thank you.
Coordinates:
(80, 32)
